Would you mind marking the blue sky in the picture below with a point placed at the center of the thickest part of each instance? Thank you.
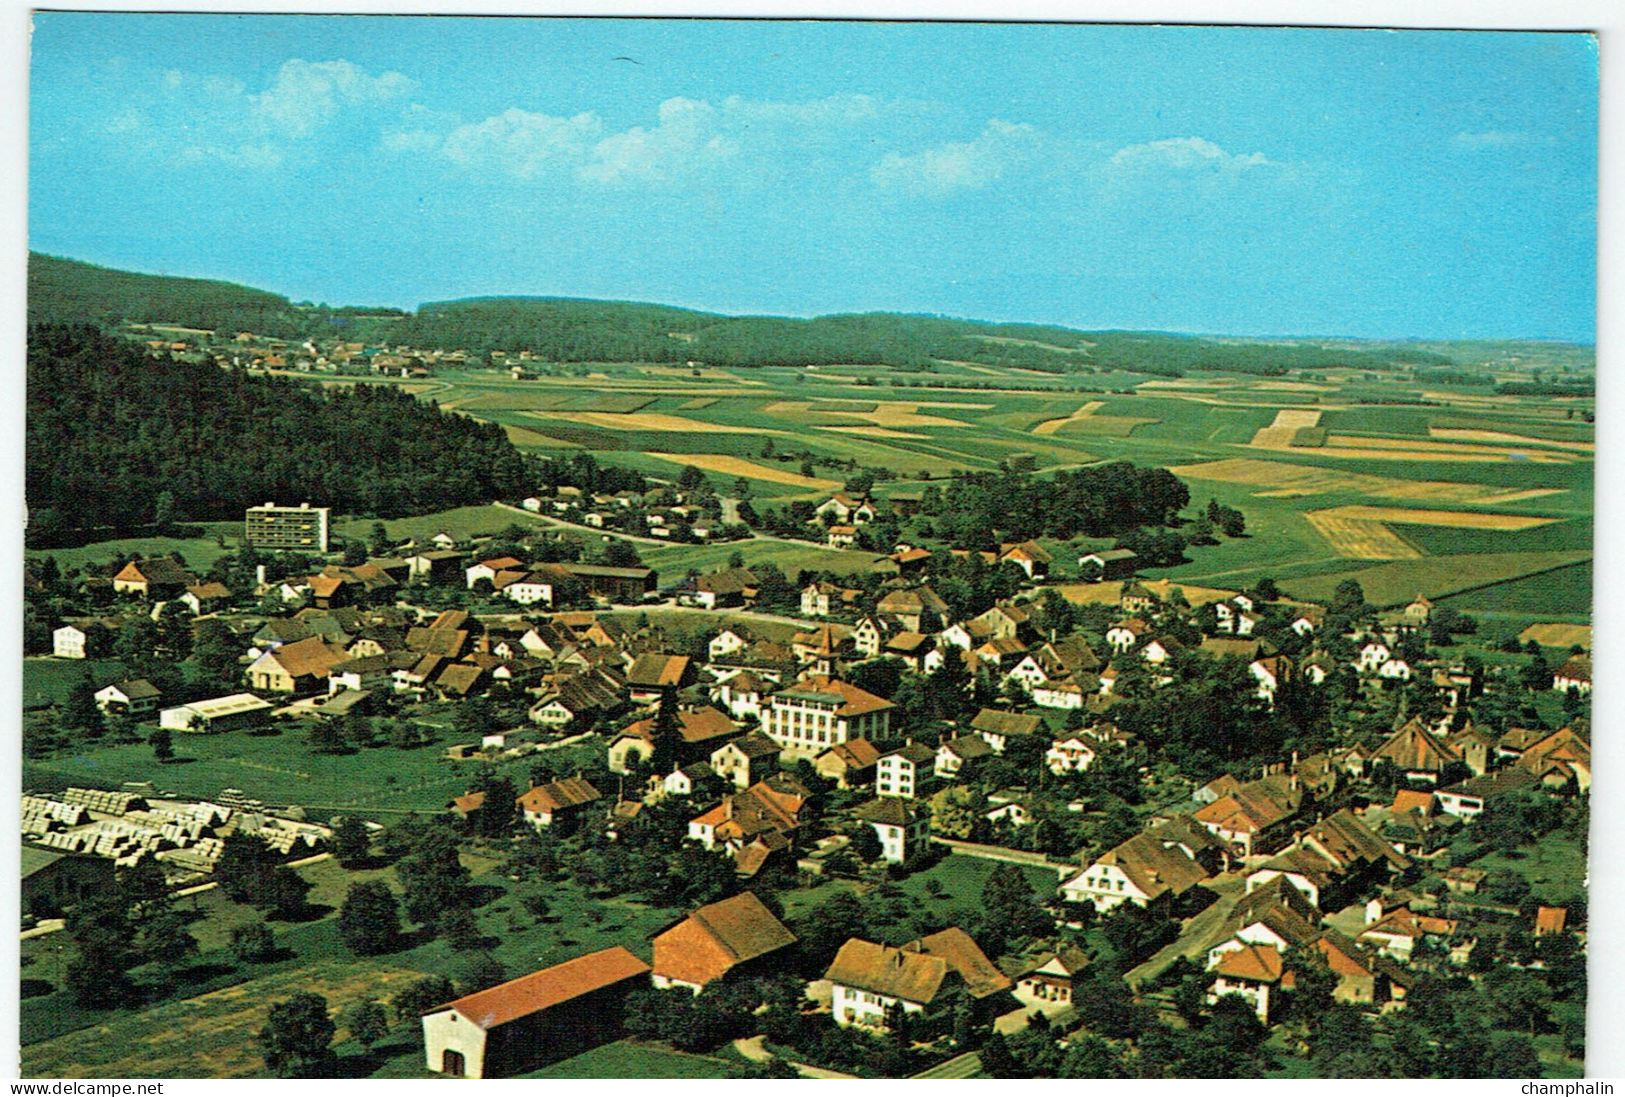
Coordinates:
(1225, 180)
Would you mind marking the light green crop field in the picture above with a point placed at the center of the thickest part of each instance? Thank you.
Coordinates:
(1277, 448)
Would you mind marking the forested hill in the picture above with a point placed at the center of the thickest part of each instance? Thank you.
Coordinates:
(572, 330)
(111, 432)
(66, 291)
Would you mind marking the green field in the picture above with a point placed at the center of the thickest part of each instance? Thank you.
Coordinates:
(673, 561)
(48, 681)
(204, 1026)
(281, 768)
(200, 552)
(630, 1059)
(461, 522)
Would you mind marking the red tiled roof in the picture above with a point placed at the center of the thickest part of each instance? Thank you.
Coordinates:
(549, 987)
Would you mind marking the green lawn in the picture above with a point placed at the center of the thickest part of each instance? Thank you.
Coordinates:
(282, 769)
(629, 1059)
(200, 552)
(461, 522)
(1555, 868)
(48, 681)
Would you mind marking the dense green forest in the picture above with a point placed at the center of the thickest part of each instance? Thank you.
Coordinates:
(65, 291)
(570, 330)
(115, 437)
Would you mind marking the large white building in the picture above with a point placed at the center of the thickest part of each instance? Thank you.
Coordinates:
(813, 715)
(302, 528)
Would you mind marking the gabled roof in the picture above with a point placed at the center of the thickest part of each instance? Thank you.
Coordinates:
(1154, 867)
(727, 581)
(753, 745)
(567, 792)
(1350, 844)
(159, 569)
(657, 671)
(694, 726)
(982, 977)
(890, 811)
(848, 699)
(855, 753)
(917, 753)
(311, 656)
(968, 747)
(717, 937)
(999, 722)
(1414, 747)
(1251, 963)
(917, 971)
(547, 988)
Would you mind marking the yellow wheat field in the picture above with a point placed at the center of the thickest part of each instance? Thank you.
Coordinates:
(738, 466)
(647, 420)
(1458, 519)
(1050, 426)
(1557, 635)
(1288, 421)
(886, 414)
(1359, 538)
(1279, 479)
(1412, 450)
(874, 432)
(1461, 434)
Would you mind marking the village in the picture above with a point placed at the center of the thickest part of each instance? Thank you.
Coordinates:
(1188, 807)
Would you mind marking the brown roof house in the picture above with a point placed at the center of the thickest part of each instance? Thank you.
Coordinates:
(159, 577)
(557, 803)
(717, 940)
(871, 982)
(541, 1017)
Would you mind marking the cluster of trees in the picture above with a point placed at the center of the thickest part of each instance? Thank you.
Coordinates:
(190, 441)
(979, 509)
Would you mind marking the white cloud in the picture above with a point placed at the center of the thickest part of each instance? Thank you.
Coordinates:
(307, 95)
(1184, 154)
(687, 139)
(201, 119)
(516, 142)
(958, 165)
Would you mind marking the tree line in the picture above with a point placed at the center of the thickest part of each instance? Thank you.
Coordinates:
(114, 433)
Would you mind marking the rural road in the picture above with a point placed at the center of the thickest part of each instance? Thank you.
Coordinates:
(754, 1049)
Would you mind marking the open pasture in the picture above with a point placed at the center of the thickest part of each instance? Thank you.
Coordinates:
(1281, 433)
(1359, 538)
(1462, 434)
(1281, 480)
(738, 466)
(1556, 634)
(1396, 582)
(209, 1036)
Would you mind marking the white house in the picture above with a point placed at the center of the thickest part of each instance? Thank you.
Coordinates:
(135, 697)
(1372, 655)
(814, 714)
(533, 588)
(68, 642)
(901, 826)
(726, 643)
(1069, 755)
(902, 771)
(1397, 670)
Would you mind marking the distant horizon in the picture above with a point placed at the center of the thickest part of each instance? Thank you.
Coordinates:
(299, 301)
(1383, 184)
